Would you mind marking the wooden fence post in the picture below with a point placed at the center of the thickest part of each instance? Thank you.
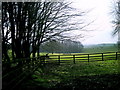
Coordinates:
(88, 57)
(116, 55)
(102, 57)
(44, 61)
(59, 59)
(74, 59)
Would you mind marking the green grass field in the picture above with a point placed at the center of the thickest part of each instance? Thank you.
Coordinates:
(81, 57)
(100, 48)
(65, 74)
(52, 75)
(87, 75)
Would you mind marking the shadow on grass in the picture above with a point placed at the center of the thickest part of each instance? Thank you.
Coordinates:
(55, 80)
(82, 76)
(101, 82)
(93, 82)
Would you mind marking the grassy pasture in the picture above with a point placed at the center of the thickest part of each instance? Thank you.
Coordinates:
(81, 57)
(100, 48)
(102, 73)
(68, 75)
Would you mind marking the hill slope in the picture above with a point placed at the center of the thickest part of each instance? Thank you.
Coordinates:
(100, 48)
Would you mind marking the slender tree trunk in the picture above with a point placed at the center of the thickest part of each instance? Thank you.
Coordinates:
(12, 27)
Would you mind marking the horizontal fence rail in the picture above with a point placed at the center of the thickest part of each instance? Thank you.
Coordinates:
(74, 58)
(13, 75)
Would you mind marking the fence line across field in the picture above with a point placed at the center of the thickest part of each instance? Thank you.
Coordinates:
(74, 57)
(85, 57)
(29, 65)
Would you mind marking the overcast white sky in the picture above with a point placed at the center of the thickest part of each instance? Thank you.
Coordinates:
(100, 11)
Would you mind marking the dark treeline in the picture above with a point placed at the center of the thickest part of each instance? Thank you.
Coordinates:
(66, 46)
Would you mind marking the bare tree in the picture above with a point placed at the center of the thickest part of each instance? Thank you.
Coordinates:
(117, 22)
(117, 28)
(117, 15)
(28, 24)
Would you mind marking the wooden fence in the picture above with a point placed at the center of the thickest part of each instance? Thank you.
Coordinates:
(75, 58)
(12, 77)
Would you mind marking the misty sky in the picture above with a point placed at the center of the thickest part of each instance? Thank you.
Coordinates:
(100, 12)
